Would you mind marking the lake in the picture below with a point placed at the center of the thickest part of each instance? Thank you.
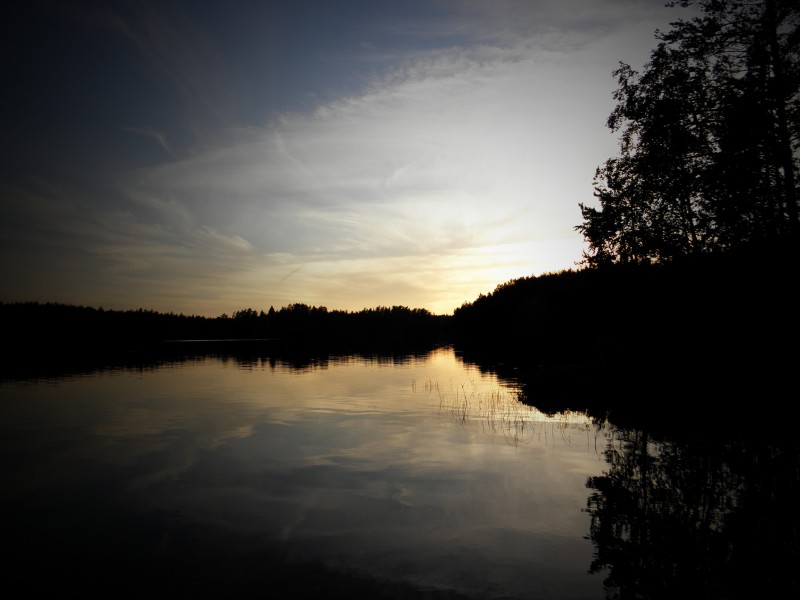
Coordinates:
(409, 476)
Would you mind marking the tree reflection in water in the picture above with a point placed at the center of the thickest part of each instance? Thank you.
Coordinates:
(699, 518)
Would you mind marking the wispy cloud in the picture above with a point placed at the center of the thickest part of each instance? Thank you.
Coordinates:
(443, 159)
(177, 50)
(456, 169)
(159, 137)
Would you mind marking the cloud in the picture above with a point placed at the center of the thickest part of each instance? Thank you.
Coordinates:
(441, 159)
(159, 137)
(173, 47)
(457, 169)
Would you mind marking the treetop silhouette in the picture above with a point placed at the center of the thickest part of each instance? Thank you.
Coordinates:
(709, 138)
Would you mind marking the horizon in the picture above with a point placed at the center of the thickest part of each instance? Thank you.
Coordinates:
(227, 313)
(199, 159)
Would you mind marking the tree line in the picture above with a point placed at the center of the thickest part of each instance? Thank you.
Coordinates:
(709, 137)
(35, 326)
(301, 322)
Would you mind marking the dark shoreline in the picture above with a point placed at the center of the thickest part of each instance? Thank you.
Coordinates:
(712, 335)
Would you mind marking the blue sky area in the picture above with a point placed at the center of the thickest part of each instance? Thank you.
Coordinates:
(203, 157)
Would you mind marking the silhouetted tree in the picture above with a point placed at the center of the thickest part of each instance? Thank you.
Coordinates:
(708, 138)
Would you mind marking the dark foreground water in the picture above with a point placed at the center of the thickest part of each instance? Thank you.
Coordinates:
(375, 478)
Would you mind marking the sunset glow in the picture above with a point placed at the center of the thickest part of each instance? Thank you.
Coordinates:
(200, 159)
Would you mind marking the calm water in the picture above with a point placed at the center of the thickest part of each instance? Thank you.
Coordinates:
(412, 477)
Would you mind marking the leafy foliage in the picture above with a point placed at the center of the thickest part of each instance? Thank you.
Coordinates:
(709, 134)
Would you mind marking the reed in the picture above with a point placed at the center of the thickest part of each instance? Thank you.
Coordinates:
(501, 412)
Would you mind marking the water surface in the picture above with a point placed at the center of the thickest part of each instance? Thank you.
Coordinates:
(412, 476)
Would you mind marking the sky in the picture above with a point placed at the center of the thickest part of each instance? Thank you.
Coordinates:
(204, 157)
